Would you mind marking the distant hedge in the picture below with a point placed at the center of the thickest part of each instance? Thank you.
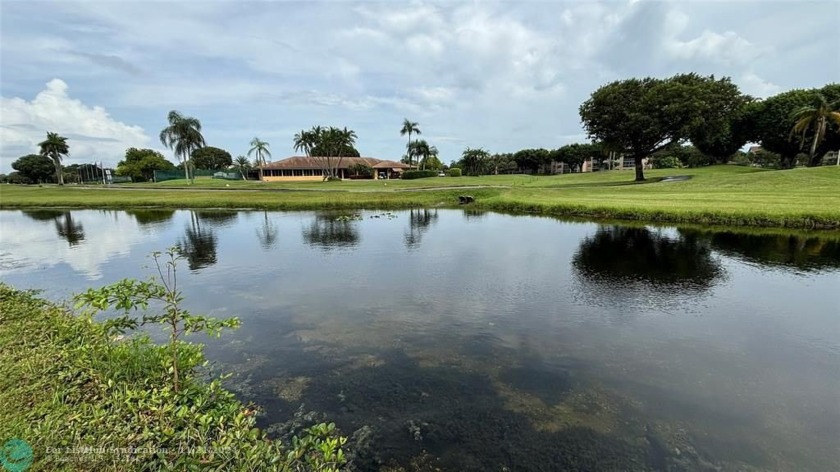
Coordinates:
(419, 174)
(454, 172)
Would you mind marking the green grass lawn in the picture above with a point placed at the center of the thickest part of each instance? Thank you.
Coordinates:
(724, 195)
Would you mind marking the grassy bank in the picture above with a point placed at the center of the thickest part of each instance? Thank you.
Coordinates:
(721, 195)
(84, 401)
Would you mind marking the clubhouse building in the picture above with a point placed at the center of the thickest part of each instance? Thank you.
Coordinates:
(300, 168)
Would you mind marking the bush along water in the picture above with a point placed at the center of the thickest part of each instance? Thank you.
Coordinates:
(84, 396)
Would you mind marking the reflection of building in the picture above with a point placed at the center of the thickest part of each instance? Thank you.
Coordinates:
(312, 168)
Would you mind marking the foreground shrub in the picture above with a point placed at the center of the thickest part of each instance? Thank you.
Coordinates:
(454, 172)
(419, 174)
(85, 400)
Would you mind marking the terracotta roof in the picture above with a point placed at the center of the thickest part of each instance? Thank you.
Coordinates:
(390, 165)
(304, 162)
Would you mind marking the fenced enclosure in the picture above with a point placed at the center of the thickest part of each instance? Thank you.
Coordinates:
(162, 175)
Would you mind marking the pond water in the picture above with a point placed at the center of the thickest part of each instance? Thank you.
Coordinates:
(479, 341)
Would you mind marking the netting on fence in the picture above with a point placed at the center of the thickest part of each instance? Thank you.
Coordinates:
(235, 175)
(161, 175)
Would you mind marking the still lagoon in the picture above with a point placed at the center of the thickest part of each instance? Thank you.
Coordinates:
(459, 340)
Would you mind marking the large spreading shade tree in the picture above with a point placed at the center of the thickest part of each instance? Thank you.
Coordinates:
(211, 158)
(183, 136)
(34, 168)
(409, 128)
(55, 147)
(141, 164)
(259, 149)
(332, 144)
(642, 116)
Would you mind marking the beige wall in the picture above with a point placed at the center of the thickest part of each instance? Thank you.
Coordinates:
(298, 178)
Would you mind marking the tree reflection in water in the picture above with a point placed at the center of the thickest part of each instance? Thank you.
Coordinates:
(199, 243)
(620, 263)
(71, 231)
(419, 221)
(267, 232)
(805, 253)
(151, 217)
(329, 232)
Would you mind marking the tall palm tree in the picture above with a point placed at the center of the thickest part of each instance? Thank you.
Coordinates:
(408, 128)
(346, 139)
(306, 141)
(183, 135)
(421, 150)
(243, 164)
(260, 148)
(55, 147)
(817, 117)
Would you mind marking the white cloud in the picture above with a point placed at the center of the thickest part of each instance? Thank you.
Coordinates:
(725, 48)
(754, 85)
(93, 135)
(501, 75)
(34, 244)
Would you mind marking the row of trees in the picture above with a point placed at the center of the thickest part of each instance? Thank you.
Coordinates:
(328, 146)
(420, 151)
(481, 162)
(640, 117)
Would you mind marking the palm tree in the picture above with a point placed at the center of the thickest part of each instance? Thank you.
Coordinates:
(183, 135)
(260, 148)
(55, 147)
(306, 141)
(345, 139)
(332, 143)
(243, 164)
(408, 128)
(816, 116)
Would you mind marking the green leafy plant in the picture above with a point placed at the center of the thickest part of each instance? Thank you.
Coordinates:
(419, 174)
(131, 295)
(455, 172)
(67, 385)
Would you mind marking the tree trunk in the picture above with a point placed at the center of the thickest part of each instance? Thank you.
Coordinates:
(408, 149)
(640, 171)
(186, 171)
(59, 177)
(812, 158)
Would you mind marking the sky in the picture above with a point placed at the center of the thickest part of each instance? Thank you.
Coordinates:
(499, 75)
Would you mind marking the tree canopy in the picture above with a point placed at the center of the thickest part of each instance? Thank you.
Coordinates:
(141, 164)
(35, 168)
(475, 161)
(642, 116)
(212, 158)
(533, 160)
(574, 155)
(771, 122)
(331, 143)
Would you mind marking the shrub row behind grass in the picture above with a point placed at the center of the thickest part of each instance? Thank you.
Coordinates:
(84, 401)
